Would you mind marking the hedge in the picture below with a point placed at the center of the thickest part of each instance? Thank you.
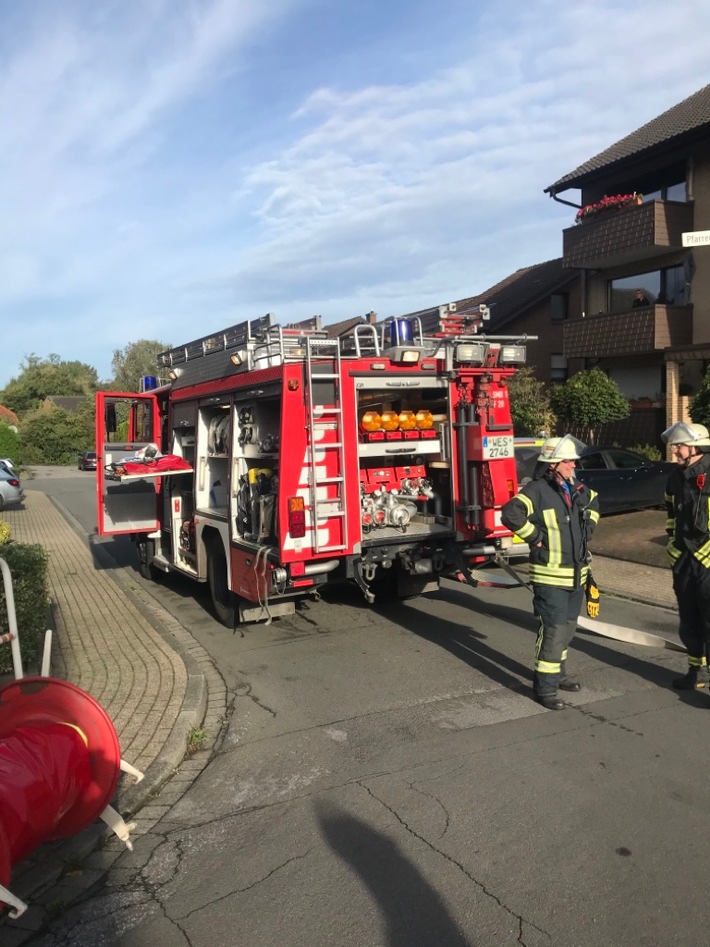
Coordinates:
(28, 568)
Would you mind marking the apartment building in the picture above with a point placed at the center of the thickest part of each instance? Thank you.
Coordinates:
(643, 312)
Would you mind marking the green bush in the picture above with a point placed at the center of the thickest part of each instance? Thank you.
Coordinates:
(9, 443)
(28, 568)
(648, 451)
(5, 533)
(54, 436)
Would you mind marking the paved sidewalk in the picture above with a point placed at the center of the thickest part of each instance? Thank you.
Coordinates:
(146, 670)
(635, 581)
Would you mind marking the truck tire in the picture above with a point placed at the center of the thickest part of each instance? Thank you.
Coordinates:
(146, 568)
(223, 600)
(384, 587)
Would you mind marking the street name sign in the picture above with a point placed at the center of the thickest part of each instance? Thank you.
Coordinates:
(696, 238)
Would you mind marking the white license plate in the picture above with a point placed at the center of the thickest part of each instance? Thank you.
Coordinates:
(497, 447)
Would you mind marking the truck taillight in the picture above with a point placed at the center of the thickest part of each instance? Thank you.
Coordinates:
(296, 517)
(487, 496)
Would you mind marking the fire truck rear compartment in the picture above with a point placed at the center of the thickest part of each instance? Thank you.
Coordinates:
(312, 460)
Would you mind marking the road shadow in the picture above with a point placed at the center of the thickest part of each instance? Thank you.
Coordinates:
(475, 646)
(120, 554)
(413, 912)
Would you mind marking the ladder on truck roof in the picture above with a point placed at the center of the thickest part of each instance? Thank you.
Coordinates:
(323, 372)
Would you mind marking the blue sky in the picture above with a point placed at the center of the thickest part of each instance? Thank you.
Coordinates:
(172, 167)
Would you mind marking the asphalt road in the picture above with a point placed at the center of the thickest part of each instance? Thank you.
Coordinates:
(385, 779)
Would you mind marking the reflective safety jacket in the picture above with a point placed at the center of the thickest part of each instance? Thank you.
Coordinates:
(557, 526)
(688, 511)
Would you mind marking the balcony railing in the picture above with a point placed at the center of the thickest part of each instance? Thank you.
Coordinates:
(633, 332)
(627, 234)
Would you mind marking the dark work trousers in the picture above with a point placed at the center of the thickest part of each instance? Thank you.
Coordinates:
(691, 584)
(557, 611)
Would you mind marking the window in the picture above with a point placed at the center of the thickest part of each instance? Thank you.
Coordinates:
(623, 460)
(592, 461)
(658, 286)
(673, 192)
(558, 368)
(559, 307)
(667, 184)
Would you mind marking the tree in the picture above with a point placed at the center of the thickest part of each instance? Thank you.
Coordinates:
(587, 400)
(700, 405)
(54, 436)
(42, 377)
(529, 404)
(134, 362)
(9, 442)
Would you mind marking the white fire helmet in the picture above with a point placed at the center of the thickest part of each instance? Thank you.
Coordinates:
(556, 449)
(692, 435)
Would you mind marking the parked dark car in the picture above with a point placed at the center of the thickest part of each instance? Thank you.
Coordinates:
(87, 460)
(623, 479)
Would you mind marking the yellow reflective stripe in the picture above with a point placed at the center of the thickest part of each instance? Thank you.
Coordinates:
(553, 538)
(561, 572)
(526, 501)
(593, 516)
(703, 554)
(527, 530)
(548, 667)
(696, 662)
(670, 524)
(564, 656)
(555, 581)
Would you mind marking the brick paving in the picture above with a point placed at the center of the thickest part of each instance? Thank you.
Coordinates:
(103, 642)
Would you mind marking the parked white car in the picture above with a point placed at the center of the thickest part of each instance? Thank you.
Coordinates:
(11, 492)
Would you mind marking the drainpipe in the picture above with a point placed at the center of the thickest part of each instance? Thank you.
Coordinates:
(562, 201)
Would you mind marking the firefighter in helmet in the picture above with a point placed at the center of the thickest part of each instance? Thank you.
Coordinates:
(688, 528)
(556, 517)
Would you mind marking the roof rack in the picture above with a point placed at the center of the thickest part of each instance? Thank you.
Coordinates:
(236, 337)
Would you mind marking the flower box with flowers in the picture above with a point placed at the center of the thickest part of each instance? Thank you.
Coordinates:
(607, 203)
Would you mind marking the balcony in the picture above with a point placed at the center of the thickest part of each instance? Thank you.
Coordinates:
(627, 234)
(634, 332)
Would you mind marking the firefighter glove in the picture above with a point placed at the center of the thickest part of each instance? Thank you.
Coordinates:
(592, 592)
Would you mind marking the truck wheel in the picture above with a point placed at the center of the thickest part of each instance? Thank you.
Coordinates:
(384, 587)
(223, 601)
(145, 567)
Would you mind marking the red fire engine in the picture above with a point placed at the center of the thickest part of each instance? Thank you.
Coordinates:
(277, 460)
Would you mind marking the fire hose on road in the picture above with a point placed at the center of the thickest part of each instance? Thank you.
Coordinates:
(587, 622)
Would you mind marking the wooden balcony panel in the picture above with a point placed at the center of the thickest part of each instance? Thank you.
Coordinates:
(627, 234)
(634, 332)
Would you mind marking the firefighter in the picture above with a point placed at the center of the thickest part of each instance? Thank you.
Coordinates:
(688, 528)
(556, 517)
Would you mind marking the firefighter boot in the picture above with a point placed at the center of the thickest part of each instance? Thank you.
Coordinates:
(696, 678)
(567, 684)
(550, 701)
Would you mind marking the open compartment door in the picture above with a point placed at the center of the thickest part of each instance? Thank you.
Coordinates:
(125, 424)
